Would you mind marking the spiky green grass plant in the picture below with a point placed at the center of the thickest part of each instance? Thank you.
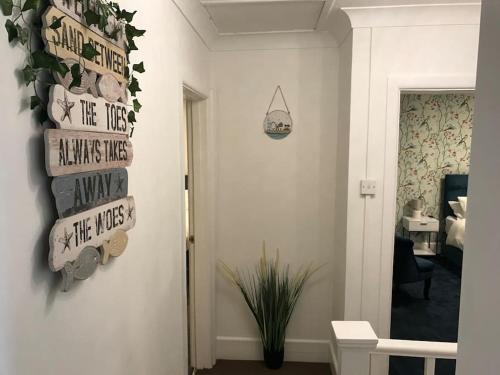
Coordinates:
(271, 292)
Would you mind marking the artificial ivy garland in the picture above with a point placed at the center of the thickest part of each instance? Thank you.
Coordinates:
(24, 27)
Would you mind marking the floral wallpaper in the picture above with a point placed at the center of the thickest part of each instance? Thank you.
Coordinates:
(434, 140)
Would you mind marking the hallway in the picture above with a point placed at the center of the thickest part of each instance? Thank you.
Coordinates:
(258, 368)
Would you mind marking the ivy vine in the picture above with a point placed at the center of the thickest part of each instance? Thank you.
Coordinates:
(24, 27)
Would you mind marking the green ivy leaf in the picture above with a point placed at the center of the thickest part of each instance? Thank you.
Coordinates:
(31, 4)
(42, 116)
(29, 75)
(34, 102)
(42, 60)
(139, 68)
(23, 33)
(76, 75)
(57, 23)
(127, 16)
(131, 46)
(137, 106)
(12, 30)
(114, 33)
(91, 17)
(133, 87)
(131, 32)
(89, 51)
(131, 117)
(103, 22)
(6, 6)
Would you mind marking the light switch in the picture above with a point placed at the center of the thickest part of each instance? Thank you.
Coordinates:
(368, 187)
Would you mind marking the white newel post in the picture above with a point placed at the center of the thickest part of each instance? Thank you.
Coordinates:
(352, 343)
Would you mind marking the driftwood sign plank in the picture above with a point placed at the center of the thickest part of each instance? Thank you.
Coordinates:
(82, 268)
(76, 10)
(112, 90)
(67, 42)
(88, 80)
(71, 235)
(68, 151)
(84, 112)
(79, 192)
(115, 246)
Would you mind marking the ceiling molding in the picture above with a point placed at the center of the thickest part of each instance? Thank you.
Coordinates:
(229, 2)
(414, 15)
(288, 40)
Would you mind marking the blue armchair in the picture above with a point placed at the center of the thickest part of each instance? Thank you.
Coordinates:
(408, 268)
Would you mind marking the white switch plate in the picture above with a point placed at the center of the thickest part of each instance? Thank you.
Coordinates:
(368, 187)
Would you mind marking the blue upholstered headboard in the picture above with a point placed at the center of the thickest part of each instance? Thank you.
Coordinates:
(455, 185)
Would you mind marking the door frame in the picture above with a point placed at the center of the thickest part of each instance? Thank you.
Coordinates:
(202, 278)
(398, 85)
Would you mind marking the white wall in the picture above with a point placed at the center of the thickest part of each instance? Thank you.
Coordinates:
(129, 317)
(480, 306)
(281, 191)
(379, 55)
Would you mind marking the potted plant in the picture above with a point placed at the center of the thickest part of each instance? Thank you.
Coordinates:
(271, 292)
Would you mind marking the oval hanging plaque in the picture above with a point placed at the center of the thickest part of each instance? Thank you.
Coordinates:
(278, 124)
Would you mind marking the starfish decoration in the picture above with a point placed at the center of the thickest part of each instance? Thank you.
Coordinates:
(66, 106)
(120, 184)
(66, 240)
(130, 211)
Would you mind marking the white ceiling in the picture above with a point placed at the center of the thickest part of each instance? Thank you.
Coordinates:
(267, 16)
(259, 16)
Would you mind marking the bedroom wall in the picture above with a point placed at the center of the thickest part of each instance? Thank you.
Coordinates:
(280, 191)
(129, 317)
(480, 306)
(434, 140)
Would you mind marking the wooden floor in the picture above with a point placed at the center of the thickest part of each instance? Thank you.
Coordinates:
(258, 368)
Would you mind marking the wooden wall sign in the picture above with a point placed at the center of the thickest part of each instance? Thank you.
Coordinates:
(110, 89)
(79, 192)
(67, 42)
(69, 236)
(82, 268)
(68, 151)
(115, 246)
(88, 82)
(84, 112)
(76, 10)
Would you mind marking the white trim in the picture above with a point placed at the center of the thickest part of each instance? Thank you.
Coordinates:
(274, 41)
(203, 275)
(414, 15)
(236, 2)
(334, 363)
(395, 86)
(250, 349)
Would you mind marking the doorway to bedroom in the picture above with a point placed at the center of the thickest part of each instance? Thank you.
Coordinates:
(435, 131)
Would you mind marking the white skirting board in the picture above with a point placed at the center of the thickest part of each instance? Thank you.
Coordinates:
(250, 349)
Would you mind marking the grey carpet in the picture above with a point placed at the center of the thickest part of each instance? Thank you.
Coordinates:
(258, 368)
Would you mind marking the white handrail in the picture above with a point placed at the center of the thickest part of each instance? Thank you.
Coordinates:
(423, 349)
(354, 343)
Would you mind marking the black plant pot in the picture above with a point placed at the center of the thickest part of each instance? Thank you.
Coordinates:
(274, 359)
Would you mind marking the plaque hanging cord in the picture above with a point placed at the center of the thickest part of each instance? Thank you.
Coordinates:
(274, 96)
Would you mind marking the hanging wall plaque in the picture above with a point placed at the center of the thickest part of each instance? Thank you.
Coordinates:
(278, 123)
